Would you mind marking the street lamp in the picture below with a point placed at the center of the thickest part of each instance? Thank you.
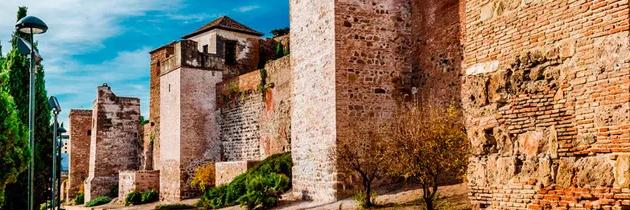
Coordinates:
(60, 131)
(31, 25)
(56, 109)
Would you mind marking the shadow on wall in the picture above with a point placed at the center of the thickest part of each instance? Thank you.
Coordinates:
(436, 66)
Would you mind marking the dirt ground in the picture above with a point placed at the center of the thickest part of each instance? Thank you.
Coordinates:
(453, 197)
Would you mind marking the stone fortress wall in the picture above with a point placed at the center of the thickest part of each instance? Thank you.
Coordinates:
(547, 99)
(544, 87)
(254, 113)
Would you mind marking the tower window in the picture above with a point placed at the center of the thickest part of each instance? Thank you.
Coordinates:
(89, 133)
(230, 52)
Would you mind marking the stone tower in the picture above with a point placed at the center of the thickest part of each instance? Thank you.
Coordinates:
(79, 150)
(115, 142)
(189, 76)
(188, 125)
(345, 57)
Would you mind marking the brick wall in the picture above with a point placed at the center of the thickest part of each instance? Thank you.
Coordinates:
(115, 141)
(254, 124)
(137, 181)
(79, 149)
(547, 101)
(239, 114)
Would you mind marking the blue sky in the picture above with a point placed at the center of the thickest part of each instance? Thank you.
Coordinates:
(91, 42)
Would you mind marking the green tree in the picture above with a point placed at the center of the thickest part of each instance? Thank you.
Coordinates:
(17, 66)
(14, 151)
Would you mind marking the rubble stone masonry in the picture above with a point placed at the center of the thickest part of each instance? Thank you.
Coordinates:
(546, 96)
(275, 119)
(346, 58)
(79, 158)
(115, 142)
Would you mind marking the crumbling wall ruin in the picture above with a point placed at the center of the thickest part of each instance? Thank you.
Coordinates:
(546, 96)
(115, 141)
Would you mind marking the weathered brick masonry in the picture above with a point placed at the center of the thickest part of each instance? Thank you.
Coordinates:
(239, 112)
(255, 124)
(115, 142)
(547, 99)
(79, 150)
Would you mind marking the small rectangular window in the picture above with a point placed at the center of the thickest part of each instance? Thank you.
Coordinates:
(89, 133)
(205, 49)
(230, 52)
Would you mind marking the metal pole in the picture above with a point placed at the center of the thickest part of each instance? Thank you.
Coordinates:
(31, 124)
(54, 166)
(59, 169)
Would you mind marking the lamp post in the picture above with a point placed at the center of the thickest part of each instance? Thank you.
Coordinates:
(56, 109)
(31, 25)
(60, 131)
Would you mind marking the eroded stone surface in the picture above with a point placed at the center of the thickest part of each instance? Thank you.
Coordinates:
(116, 141)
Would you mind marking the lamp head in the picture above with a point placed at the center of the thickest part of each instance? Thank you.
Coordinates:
(61, 130)
(54, 104)
(31, 25)
(24, 47)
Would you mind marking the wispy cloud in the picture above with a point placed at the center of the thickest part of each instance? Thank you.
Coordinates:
(193, 18)
(78, 27)
(247, 8)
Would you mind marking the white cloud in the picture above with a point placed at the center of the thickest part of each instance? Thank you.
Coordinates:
(77, 27)
(247, 8)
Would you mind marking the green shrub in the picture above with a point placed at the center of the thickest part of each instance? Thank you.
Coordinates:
(264, 190)
(149, 196)
(136, 198)
(79, 200)
(133, 198)
(174, 206)
(259, 186)
(100, 200)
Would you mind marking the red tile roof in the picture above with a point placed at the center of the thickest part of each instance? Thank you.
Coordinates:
(225, 23)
